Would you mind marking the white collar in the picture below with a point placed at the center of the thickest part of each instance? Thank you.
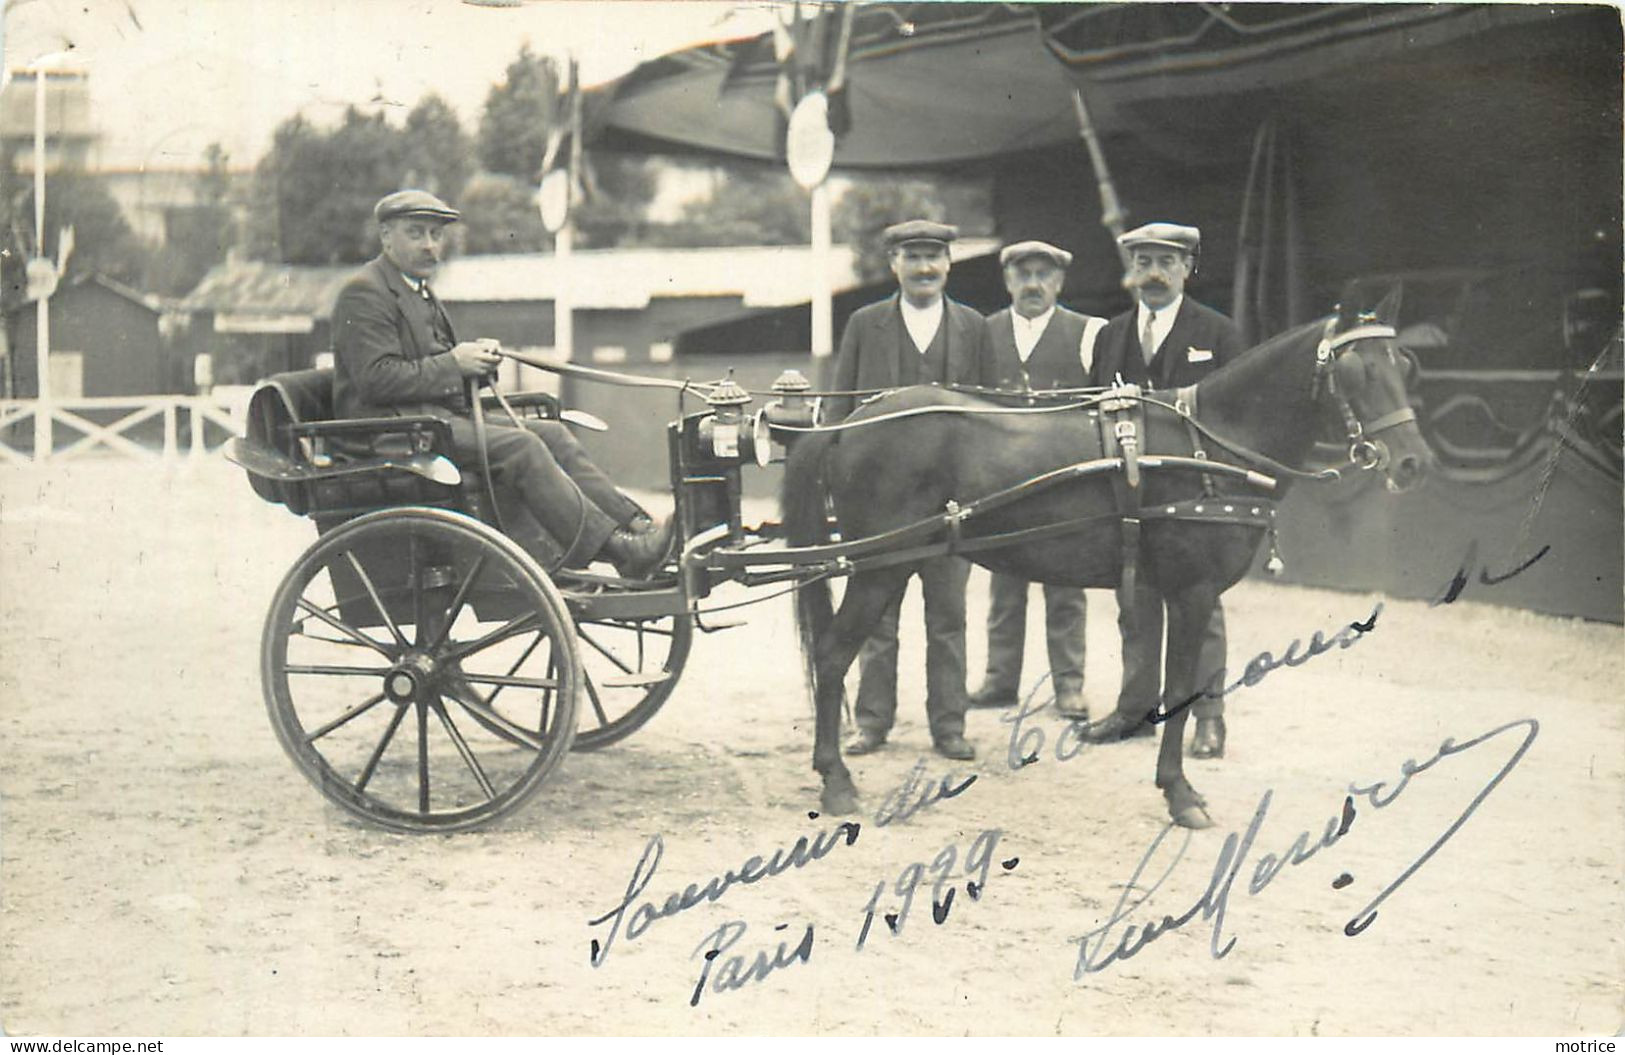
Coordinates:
(1164, 316)
(1036, 324)
(922, 323)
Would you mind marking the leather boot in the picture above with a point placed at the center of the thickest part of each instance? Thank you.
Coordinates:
(637, 554)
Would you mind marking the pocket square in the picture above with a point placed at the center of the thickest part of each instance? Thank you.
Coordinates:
(1199, 355)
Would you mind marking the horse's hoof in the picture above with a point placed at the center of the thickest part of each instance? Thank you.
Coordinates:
(839, 802)
(1192, 816)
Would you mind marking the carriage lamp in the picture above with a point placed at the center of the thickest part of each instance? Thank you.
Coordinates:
(793, 409)
(721, 432)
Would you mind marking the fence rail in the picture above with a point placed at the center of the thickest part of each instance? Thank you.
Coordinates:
(148, 428)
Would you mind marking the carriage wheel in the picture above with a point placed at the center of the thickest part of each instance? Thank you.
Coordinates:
(629, 668)
(421, 670)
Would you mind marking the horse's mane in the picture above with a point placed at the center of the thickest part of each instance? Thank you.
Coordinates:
(1262, 368)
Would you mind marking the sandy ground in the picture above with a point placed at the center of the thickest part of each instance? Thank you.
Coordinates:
(167, 871)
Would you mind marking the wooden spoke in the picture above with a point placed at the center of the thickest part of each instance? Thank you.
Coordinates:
(464, 750)
(592, 695)
(474, 705)
(378, 752)
(354, 712)
(423, 758)
(328, 668)
(503, 679)
(458, 600)
(517, 625)
(377, 602)
(344, 628)
(514, 667)
(605, 651)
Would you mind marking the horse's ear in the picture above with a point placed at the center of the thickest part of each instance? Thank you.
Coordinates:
(1387, 310)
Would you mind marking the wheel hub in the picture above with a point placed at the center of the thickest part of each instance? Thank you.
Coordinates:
(409, 677)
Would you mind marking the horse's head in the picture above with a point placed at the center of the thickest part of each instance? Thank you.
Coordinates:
(1360, 365)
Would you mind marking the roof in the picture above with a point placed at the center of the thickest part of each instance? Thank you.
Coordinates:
(601, 279)
(934, 84)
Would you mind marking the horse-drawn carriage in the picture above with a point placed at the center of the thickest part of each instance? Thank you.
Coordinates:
(428, 671)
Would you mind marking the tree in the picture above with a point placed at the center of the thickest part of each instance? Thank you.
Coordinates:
(618, 189)
(439, 153)
(196, 236)
(517, 116)
(750, 205)
(500, 216)
(102, 239)
(314, 192)
(868, 208)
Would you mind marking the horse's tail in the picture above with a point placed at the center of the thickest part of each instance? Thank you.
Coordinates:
(802, 502)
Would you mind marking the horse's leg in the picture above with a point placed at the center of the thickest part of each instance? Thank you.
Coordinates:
(1188, 614)
(867, 595)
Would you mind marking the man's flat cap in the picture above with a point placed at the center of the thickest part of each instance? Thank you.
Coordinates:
(1173, 235)
(1012, 253)
(918, 231)
(413, 203)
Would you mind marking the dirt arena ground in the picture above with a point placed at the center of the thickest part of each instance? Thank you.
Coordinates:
(165, 870)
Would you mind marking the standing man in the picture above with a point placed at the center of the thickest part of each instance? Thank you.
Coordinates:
(1167, 341)
(394, 353)
(915, 337)
(1036, 344)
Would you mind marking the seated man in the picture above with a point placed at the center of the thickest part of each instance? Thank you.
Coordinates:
(395, 353)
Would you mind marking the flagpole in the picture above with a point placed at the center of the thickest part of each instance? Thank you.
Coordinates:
(43, 441)
(823, 297)
(564, 339)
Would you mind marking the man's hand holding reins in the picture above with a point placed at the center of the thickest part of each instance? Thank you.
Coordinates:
(477, 358)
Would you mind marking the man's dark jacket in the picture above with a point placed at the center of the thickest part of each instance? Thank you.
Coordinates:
(1201, 341)
(384, 345)
(877, 352)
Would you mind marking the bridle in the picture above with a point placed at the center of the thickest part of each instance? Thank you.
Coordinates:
(1365, 450)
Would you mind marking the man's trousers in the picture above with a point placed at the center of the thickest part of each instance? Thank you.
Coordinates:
(1065, 615)
(942, 582)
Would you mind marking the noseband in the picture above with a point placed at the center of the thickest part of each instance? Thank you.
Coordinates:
(1365, 450)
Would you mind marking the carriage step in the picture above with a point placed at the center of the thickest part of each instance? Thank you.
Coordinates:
(634, 681)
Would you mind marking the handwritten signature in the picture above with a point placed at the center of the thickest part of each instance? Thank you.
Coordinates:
(1117, 939)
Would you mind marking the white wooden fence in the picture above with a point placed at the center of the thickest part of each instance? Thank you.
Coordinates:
(67, 428)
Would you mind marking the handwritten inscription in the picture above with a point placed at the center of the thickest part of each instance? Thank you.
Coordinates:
(916, 793)
(737, 971)
(1026, 743)
(978, 863)
(638, 920)
(1120, 939)
(1458, 582)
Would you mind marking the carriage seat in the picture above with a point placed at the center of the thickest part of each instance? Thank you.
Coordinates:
(297, 455)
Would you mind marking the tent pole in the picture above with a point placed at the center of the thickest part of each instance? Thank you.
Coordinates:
(1112, 214)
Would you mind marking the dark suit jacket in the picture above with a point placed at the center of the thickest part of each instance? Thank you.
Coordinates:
(387, 359)
(1054, 363)
(1180, 361)
(869, 351)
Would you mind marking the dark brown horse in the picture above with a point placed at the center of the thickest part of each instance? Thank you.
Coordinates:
(927, 448)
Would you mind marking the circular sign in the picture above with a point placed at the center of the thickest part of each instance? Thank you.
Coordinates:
(553, 199)
(41, 277)
(809, 145)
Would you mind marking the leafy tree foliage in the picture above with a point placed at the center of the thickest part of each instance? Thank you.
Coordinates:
(196, 236)
(618, 189)
(868, 208)
(440, 155)
(518, 114)
(500, 216)
(102, 239)
(751, 205)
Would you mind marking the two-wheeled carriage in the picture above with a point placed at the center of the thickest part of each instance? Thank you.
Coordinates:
(426, 662)
(427, 671)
